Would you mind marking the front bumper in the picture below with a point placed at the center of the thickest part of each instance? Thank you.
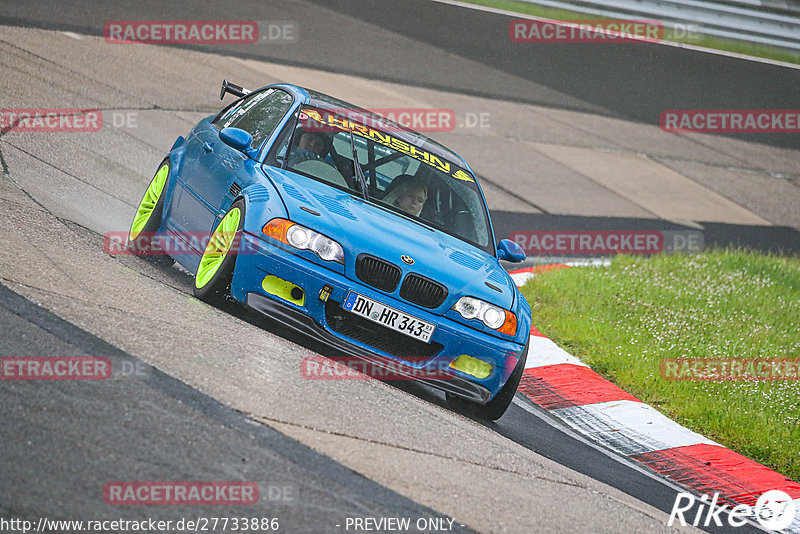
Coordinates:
(258, 259)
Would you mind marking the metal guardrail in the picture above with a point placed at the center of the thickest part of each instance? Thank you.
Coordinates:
(770, 22)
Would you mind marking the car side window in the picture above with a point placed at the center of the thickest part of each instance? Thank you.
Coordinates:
(257, 114)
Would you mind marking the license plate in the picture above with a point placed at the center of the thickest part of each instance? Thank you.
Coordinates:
(389, 317)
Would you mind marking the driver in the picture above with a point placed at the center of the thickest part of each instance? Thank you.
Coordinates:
(311, 146)
(410, 194)
(315, 142)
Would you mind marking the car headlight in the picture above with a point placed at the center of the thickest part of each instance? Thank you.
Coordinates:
(303, 238)
(492, 316)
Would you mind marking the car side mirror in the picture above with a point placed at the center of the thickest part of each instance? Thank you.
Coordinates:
(238, 139)
(509, 251)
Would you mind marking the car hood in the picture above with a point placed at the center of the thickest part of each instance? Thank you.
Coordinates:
(361, 227)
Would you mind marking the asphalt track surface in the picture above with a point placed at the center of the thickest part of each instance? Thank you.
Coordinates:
(72, 437)
(427, 44)
(169, 430)
(626, 80)
(62, 442)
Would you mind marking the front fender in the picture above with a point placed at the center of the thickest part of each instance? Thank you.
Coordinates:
(522, 309)
(175, 157)
(262, 204)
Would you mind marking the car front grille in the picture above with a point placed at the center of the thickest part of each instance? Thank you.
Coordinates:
(423, 291)
(378, 336)
(377, 273)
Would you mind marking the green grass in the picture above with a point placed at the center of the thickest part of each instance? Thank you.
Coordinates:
(708, 41)
(624, 319)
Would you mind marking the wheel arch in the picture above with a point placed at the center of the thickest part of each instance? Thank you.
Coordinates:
(262, 203)
(175, 159)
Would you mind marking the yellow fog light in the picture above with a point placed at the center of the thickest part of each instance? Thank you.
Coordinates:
(284, 290)
(472, 366)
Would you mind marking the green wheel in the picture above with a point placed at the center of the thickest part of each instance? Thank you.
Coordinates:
(214, 274)
(147, 219)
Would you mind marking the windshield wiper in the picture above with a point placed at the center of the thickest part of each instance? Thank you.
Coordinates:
(362, 180)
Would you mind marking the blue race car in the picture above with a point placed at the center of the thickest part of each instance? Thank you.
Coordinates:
(352, 229)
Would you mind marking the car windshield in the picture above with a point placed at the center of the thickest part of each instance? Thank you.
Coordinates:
(403, 177)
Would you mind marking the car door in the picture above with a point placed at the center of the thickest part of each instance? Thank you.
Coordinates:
(259, 117)
(192, 210)
(214, 172)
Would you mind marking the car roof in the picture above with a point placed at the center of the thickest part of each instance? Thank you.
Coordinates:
(335, 105)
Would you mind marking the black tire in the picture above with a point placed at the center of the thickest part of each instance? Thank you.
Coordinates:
(141, 244)
(217, 289)
(495, 408)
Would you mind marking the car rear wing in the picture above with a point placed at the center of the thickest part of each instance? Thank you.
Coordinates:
(232, 88)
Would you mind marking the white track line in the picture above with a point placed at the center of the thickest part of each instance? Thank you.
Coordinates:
(795, 526)
(629, 427)
(544, 417)
(543, 351)
(521, 278)
(555, 423)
